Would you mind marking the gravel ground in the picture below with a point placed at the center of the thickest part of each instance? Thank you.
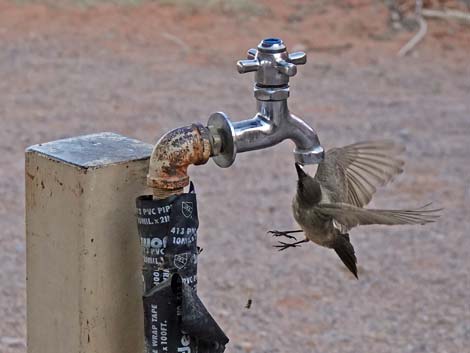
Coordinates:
(413, 294)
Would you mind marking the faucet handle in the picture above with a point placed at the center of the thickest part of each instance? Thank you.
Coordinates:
(298, 58)
(286, 68)
(289, 67)
(248, 65)
(251, 53)
(272, 63)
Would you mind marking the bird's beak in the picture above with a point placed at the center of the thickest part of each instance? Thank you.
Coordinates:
(300, 171)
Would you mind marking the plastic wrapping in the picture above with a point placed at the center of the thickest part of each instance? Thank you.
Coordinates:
(174, 307)
(176, 321)
(168, 237)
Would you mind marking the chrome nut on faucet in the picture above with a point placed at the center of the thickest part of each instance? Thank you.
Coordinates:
(273, 123)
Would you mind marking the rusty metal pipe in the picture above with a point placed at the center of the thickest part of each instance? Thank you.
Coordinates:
(173, 154)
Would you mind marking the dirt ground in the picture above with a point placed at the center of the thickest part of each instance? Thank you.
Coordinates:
(142, 70)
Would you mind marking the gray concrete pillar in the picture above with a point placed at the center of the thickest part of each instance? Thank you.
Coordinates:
(83, 253)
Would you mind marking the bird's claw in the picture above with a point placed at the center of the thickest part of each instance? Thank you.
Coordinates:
(278, 233)
(284, 246)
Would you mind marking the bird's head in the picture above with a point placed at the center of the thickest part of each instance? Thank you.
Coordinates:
(308, 189)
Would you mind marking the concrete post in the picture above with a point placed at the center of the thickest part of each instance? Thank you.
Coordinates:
(84, 284)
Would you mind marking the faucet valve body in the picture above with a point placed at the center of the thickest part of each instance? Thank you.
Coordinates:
(273, 123)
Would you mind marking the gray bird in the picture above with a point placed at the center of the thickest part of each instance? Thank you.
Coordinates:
(330, 204)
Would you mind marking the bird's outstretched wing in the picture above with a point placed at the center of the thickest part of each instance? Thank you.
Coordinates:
(351, 174)
(350, 216)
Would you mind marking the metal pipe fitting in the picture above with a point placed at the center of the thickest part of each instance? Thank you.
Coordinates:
(273, 122)
(173, 154)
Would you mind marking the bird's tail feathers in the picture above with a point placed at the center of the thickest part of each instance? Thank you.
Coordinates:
(345, 251)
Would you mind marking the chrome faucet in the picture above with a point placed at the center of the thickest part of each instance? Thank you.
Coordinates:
(273, 123)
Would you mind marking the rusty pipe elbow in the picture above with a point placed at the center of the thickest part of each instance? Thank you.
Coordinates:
(173, 154)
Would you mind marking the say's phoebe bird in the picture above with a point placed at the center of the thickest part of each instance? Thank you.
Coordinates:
(328, 205)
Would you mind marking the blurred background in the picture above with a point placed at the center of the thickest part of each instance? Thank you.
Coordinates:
(140, 68)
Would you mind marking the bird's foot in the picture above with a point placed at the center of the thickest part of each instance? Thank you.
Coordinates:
(283, 246)
(278, 233)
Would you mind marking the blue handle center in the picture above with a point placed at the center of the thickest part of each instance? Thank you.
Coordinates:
(269, 42)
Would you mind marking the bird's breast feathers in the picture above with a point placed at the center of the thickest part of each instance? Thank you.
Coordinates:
(317, 229)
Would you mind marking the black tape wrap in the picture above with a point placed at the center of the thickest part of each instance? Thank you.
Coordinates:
(176, 321)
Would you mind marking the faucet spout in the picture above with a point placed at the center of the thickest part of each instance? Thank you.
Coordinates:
(273, 124)
(308, 149)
